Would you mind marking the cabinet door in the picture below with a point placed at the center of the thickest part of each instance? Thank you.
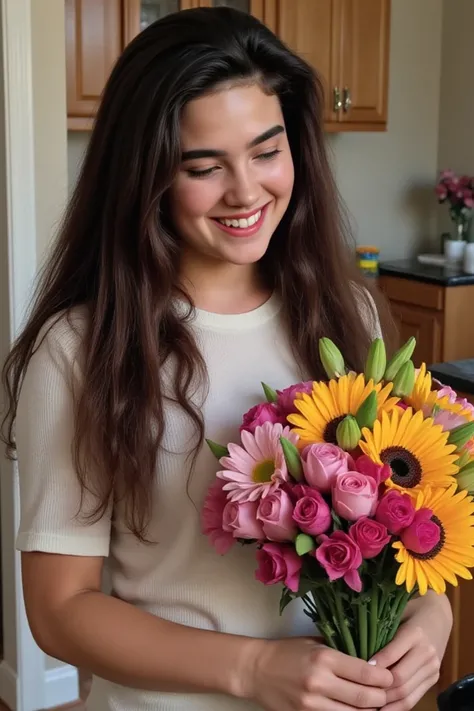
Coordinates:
(138, 14)
(365, 59)
(94, 42)
(425, 325)
(311, 28)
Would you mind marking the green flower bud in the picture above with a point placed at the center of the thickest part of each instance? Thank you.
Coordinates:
(400, 357)
(461, 435)
(463, 459)
(270, 393)
(367, 412)
(304, 544)
(376, 361)
(331, 358)
(404, 381)
(292, 458)
(217, 449)
(348, 433)
(465, 478)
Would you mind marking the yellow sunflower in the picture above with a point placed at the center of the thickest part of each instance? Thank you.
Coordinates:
(453, 553)
(424, 398)
(414, 447)
(320, 412)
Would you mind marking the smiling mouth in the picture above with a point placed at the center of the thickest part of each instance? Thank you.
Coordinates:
(242, 222)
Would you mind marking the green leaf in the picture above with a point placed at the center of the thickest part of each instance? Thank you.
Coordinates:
(286, 597)
(304, 544)
(270, 393)
(292, 458)
(217, 449)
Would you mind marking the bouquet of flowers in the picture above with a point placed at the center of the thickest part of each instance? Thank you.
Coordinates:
(458, 192)
(354, 492)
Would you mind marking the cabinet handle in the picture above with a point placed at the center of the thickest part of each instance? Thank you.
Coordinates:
(337, 105)
(347, 101)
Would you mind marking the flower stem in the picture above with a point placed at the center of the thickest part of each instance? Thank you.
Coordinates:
(374, 619)
(363, 637)
(318, 615)
(344, 627)
(399, 606)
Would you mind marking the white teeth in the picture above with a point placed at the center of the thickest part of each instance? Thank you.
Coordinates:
(242, 223)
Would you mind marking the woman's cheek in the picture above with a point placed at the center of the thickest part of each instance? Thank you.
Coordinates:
(196, 197)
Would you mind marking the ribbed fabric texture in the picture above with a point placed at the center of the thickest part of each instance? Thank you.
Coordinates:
(181, 578)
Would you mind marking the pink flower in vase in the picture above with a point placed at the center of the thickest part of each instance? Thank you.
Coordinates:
(441, 192)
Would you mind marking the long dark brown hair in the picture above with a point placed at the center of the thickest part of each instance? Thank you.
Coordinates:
(118, 256)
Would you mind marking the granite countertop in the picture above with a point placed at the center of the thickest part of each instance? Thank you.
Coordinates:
(429, 273)
(459, 374)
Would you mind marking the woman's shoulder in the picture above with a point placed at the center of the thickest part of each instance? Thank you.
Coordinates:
(60, 341)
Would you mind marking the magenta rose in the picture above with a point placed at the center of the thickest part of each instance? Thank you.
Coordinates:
(275, 514)
(240, 519)
(322, 463)
(265, 412)
(395, 511)
(340, 557)
(312, 514)
(371, 536)
(354, 495)
(286, 397)
(379, 472)
(423, 534)
(211, 518)
(279, 563)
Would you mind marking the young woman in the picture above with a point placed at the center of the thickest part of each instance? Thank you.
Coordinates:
(202, 252)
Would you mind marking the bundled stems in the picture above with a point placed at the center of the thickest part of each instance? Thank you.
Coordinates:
(344, 625)
(374, 619)
(363, 631)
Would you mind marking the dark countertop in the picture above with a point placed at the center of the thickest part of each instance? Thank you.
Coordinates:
(428, 273)
(458, 374)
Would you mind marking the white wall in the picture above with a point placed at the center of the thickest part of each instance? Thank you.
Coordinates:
(456, 126)
(387, 179)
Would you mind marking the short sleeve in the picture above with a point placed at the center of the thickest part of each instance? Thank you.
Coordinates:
(50, 494)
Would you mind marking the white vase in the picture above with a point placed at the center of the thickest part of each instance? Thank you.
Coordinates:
(454, 251)
(468, 265)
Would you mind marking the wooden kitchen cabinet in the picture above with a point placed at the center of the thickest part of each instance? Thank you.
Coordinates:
(93, 44)
(436, 315)
(347, 41)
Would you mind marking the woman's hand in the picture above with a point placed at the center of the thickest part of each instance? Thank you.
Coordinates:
(414, 657)
(301, 675)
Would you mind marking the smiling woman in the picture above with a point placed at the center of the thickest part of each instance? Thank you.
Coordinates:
(203, 251)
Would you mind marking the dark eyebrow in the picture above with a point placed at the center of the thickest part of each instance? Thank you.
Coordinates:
(212, 153)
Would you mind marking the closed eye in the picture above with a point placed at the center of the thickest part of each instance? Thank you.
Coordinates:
(193, 173)
(269, 155)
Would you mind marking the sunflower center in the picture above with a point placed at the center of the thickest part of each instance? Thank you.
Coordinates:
(406, 469)
(436, 549)
(329, 435)
(264, 471)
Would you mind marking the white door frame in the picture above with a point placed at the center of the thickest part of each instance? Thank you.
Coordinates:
(26, 682)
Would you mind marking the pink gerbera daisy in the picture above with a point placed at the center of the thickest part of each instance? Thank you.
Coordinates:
(257, 468)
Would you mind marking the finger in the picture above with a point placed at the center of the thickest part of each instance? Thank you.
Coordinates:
(410, 684)
(408, 702)
(322, 703)
(355, 695)
(358, 671)
(405, 639)
(419, 663)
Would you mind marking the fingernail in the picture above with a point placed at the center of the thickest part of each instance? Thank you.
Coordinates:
(373, 662)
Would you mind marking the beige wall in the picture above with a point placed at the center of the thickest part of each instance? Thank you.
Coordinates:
(387, 179)
(456, 125)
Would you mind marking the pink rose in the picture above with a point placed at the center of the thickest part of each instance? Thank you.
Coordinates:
(211, 518)
(322, 463)
(275, 513)
(240, 520)
(371, 536)
(441, 192)
(311, 514)
(423, 534)
(379, 472)
(265, 412)
(354, 495)
(395, 511)
(279, 564)
(340, 557)
(447, 174)
(286, 397)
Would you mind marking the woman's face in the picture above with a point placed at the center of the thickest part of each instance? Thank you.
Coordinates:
(236, 175)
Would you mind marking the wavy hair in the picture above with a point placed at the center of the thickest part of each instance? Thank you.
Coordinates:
(118, 255)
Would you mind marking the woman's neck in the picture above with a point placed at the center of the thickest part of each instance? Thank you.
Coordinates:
(222, 287)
